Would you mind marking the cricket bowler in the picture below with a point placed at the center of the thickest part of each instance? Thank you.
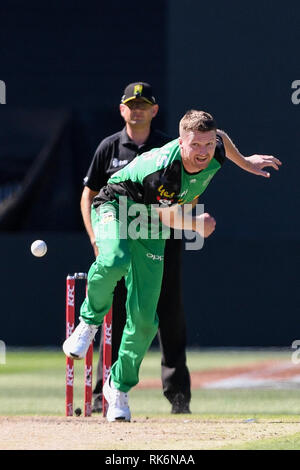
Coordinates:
(160, 181)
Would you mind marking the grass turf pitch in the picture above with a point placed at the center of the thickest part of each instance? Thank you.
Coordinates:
(32, 384)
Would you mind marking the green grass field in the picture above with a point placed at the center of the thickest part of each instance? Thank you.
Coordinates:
(32, 382)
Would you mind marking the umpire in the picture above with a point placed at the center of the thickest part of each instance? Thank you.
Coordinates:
(138, 107)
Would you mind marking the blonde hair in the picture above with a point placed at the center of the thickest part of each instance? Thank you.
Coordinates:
(194, 120)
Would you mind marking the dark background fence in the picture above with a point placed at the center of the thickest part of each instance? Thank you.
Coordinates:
(65, 65)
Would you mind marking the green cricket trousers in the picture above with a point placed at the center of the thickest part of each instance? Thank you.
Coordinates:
(140, 261)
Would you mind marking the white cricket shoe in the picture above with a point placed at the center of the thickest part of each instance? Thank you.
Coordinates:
(77, 345)
(118, 409)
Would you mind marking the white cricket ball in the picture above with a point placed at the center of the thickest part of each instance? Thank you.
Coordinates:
(38, 248)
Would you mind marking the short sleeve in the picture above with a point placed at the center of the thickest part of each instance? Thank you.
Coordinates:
(96, 176)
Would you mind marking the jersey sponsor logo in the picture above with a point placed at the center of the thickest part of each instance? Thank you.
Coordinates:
(116, 163)
(155, 257)
(165, 198)
(107, 217)
(164, 193)
(193, 180)
(164, 202)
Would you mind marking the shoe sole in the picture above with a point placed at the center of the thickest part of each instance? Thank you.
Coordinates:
(119, 419)
(75, 356)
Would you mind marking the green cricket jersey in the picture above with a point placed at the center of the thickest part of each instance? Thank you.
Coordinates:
(159, 177)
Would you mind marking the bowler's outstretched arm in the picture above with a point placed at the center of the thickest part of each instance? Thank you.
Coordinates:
(253, 164)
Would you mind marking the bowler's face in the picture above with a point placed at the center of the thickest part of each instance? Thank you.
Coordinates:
(197, 149)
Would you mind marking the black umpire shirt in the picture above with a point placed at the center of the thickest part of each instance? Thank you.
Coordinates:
(116, 151)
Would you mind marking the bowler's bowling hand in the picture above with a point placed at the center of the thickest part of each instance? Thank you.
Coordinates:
(205, 224)
(256, 163)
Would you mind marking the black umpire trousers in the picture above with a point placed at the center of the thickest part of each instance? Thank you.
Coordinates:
(171, 332)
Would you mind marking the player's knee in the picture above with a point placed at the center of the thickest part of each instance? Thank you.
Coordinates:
(146, 328)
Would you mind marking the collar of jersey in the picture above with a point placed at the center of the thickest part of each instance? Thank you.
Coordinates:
(125, 139)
